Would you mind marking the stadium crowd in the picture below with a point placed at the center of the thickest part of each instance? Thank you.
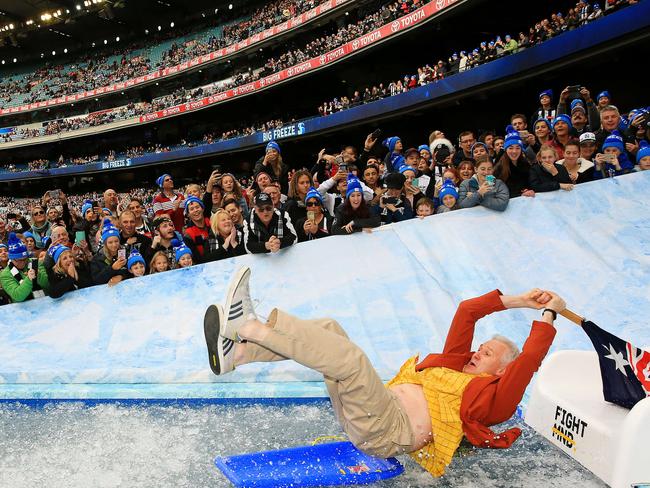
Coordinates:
(429, 73)
(60, 243)
(103, 69)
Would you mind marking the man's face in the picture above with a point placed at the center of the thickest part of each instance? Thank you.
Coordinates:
(217, 196)
(235, 212)
(38, 215)
(348, 155)
(412, 160)
(136, 208)
(20, 263)
(274, 192)
(52, 214)
(60, 236)
(4, 254)
(498, 144)
(518, 123)
(466, 142)
(166, 229)
(561, 128)
(264, 213)
(195, 211)
(489, 140)
(370, 176)
(110, 198)
(168, 183)
(263, 180)
(127, 223)
(610, 119)
(488, 359)
(545, 100)
(578, 118)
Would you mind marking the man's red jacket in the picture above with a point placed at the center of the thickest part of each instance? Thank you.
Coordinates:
(490, 400)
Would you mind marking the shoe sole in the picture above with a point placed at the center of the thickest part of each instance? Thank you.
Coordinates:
(242, 274)
(212, 324)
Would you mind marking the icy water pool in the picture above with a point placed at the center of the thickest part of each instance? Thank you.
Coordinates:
(116, 445)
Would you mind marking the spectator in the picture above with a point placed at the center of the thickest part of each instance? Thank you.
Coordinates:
(613, 161)
(479, 149)
(584, 113)
(371, 180)
(159, 263)
(412, 191)
(449, 196)
(562, 128)
(111, 202)
(395, 148)
(41, 228)
(603, 100)
(168, 202)
(353, 215)
(610, 120)
(588, 146)
(182, 254)
(546, 110)
(465, 170)
(512, 167)
(267, 229)
(23, 278)
(67, 273)
(197, 230)
(4, 257)
(643, 157)
(109, 264)
(299, 185)
(273, 164)
(393, 206)
(225, 239)
(273, 190)
(164, 234)
(89, 225)
(130, 239)
(142, 222)
(543, 133)
(490, 193)
(424, 208)
(136, 264)
(466, 140)
(579, 170)
(340, 181)
(30, 242)
(316, 223)
(213, 196)
(232, 207)
(547, 175)
(232, 189)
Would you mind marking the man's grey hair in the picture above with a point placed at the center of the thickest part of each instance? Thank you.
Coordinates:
(511, 353)
(609, 108)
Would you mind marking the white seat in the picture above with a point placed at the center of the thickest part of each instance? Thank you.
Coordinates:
(567, 407)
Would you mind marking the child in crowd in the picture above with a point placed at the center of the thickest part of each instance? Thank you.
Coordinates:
(643, 157)
(159, 263)
(424, 208)
(448, 197)
(135, 264)
(183, 255)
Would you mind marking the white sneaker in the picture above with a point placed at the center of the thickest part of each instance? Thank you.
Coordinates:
(221, 350)
(239, 306)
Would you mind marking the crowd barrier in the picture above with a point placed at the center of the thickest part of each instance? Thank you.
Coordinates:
(633, 19)
(394, 290)
(326, 7)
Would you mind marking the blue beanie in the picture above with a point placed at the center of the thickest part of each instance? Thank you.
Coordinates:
(512, 138)
(3, 245)
(479, 143)
(424, 147)
(545, 120)
(644, 150)
(273, 145)
(390, 143)
(448, 188)
(56, 250)
(602, 94)
(180, 249)
(192, 199)
(614, 140)
(548, 92)
(577, 103)
(109, 230)
(161, 178)
(313, 193)
(134, 257)
(405, 167)
(353, 185)
(563, 118)
(85, 207)
(28, 234)
(16, 247)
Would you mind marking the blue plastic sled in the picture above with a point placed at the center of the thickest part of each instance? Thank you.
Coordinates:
(334, 463)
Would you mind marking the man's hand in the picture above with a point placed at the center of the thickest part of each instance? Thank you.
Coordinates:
(556, 303)
(535, 299)
(369, 142)
(115, 280)
(584, 93)
(31, 274)
(564, 94)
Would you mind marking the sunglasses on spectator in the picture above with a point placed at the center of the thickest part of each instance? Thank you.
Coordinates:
(265, 208)
(312, 204)
(38, 212)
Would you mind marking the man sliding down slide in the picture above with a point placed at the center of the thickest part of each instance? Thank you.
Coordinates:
(427, 408)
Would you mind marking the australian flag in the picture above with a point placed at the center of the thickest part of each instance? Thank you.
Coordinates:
(625, 369)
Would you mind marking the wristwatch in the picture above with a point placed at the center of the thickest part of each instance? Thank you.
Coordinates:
(553, 312)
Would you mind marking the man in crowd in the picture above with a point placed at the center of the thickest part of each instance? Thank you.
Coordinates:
(268, 229)
(168, 202)
(131, 239)
(165, 233)
(429, 406)
(24, 278)
(196, 232)
(111, 202)
(466, 140)
(142, 224)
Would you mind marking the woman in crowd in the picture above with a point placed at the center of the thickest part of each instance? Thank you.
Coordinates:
(588, 146)
(232, 189)
(159, 263)
(299, 185)
(484, 189)
(449, 173)
(465, 170)
(41, 227)
(67, 274)
(273, 164)
(108, 265)
(513, 168)
(412, 190)
(543, 132)
(225, 239)
(30, 242)
(317, 222)
(580, 170)
(354, 215)
(89, 224)
(547, 174)
(234, 210)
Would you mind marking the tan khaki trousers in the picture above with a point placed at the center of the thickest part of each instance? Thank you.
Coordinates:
(368, 412)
